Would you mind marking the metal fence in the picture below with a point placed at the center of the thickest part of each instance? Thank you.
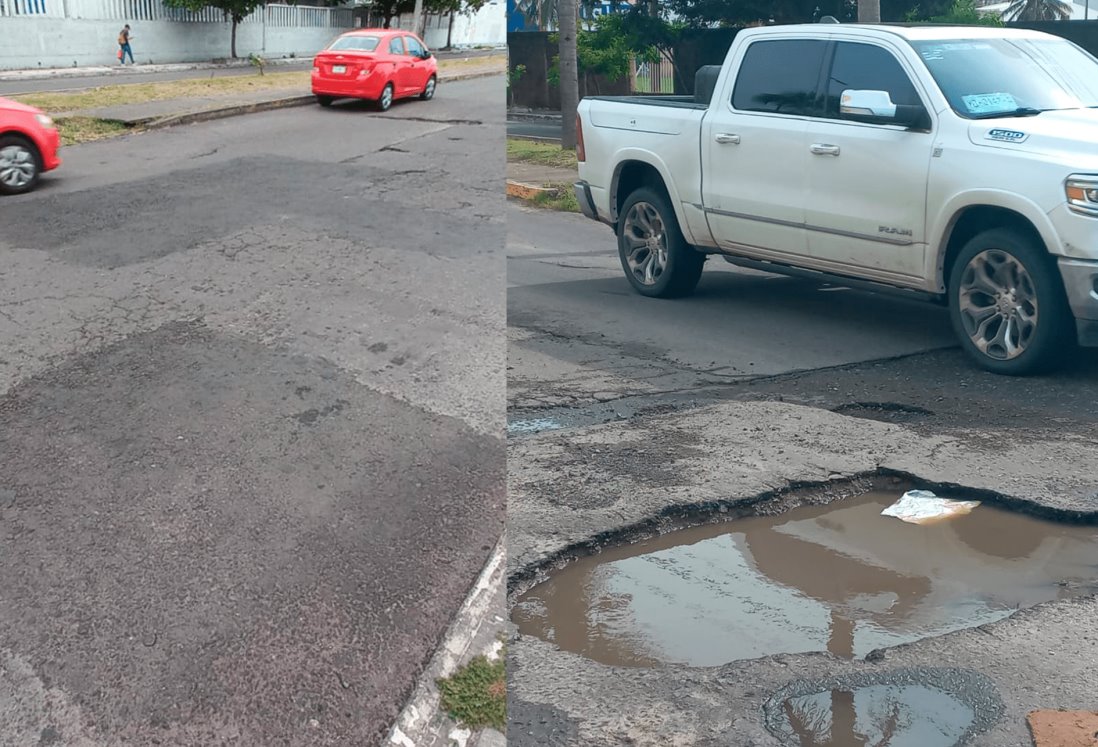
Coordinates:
(654, 77)
(290, 16)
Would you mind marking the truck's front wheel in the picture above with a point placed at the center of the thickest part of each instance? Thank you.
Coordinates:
(655, 256)
(1007, 304)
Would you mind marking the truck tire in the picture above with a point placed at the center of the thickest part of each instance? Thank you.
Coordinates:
(656, 258)
(1007, 304)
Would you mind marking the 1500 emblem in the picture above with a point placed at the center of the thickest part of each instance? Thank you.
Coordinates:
(894, 231)
(1007, 136)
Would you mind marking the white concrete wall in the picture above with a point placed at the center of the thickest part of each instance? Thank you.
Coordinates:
(74, 34)
(488, 27)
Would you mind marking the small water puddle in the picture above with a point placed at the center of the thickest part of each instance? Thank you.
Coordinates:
(839, 578)
(900, 708)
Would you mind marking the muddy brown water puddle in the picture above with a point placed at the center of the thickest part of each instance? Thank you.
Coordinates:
(839, 578)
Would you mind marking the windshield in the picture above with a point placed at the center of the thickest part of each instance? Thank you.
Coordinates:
(984, 78)
(357, 43)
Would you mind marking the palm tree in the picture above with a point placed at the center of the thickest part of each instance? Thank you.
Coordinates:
(569, 73)
(1038, 10)
(869, 11)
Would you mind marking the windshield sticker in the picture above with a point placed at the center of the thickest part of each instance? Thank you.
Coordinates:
(1007, 136)
(986, 103)
(937, 51)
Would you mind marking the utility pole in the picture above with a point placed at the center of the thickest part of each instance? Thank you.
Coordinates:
(569, 73)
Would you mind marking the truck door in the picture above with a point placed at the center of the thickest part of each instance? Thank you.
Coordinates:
(866, 207)
(755, 148)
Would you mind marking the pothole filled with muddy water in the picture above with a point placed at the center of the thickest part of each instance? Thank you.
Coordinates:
(842, 578)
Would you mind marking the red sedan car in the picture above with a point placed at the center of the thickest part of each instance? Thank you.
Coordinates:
(380, 65)
(29, 142)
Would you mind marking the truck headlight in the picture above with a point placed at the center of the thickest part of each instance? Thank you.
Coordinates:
(1082, 194)
(43, 120)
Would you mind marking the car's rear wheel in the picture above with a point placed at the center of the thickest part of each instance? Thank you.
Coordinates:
(20, 165)
(386, 99)
(1008, 306)
(325, 100)
(429, 89)
(654, 254)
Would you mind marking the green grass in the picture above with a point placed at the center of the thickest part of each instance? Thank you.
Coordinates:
(205, 87)
(543, 154)
(476, 694)
(138, 93)
(564, 200)
(76, 130)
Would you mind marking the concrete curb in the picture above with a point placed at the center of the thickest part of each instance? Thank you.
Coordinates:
(172, 120)
(421, 723)
(525, 191)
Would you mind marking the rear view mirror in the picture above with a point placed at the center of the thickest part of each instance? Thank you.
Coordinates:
(876, 107)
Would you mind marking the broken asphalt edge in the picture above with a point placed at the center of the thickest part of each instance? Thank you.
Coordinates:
(421, 714)
(172, 120)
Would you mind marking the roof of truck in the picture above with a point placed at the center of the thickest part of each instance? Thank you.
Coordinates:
(916, 32)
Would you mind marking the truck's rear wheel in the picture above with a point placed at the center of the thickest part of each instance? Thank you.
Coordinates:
(1008, 306)
(655, 256)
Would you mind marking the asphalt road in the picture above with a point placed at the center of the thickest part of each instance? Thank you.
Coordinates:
(250, 417)
(547, 130)
(585, 348)
(623, 409)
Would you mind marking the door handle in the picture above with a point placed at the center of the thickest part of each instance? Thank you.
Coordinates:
(725, 138)
(824, 150)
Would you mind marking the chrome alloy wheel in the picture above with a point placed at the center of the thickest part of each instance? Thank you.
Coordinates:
(998, 304)
(646, 237)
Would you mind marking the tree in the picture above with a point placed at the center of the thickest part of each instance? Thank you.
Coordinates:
(235, 10)
(1038, 10)
(869, 11)
(569, 73)
(452, 8)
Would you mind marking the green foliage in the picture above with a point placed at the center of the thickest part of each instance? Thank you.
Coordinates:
(236, 10)
(961, 13)
(476, 695)
(614, 40)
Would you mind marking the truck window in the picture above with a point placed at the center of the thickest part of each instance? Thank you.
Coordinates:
(780, 76)
(866, 67)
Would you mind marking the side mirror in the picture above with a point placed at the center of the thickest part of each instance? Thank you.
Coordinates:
(876, 107)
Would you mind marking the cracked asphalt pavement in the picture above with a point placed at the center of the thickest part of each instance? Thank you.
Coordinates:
(631, 416)
(251, 418)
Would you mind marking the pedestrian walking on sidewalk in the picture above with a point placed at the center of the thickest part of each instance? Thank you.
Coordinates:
(124, 45)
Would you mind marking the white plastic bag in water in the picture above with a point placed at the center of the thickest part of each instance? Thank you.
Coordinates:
(923, 507)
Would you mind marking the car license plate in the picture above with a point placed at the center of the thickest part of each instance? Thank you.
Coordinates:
(339, 69)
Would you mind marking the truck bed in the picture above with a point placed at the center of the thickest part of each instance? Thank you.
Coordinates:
(677, 102)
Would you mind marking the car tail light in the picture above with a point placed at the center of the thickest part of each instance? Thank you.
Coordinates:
(581, 155)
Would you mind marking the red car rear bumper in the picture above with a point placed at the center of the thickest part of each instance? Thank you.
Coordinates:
(368, 86)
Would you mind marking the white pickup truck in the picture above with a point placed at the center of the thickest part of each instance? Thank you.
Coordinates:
(956, 164)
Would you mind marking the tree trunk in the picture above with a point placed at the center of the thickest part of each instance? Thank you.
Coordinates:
(450, 32)
(869, 11)
(234, 39)
(417, 14)
(569, 73)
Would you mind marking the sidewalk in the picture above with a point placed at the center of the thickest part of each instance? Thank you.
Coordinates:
(183, 110)
(137, 70)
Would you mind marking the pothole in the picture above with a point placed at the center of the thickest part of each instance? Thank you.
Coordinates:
(839, 577)
(903, 708)
(887, 412)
